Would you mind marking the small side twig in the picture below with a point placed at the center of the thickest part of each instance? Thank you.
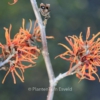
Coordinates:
(6, 61)
(71, 72)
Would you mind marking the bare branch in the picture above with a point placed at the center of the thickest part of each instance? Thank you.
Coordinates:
(61, 76)
(6, 61)
(45, 49)
(53, 81)
(44, 42)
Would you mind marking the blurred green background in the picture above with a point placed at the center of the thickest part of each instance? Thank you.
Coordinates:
(68, 17)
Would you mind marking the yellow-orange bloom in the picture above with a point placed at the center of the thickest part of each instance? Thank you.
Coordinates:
(88, 52)
(36, 33)
(15, 1)
(23, 49)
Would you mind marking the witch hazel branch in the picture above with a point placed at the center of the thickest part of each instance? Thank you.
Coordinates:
(84, 55)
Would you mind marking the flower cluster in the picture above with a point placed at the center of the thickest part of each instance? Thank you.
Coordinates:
(87, 52)
(22, 48)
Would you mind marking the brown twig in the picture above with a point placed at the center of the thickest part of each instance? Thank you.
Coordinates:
(71, 72)
(53, 81)
(45, 49)
(6, 61)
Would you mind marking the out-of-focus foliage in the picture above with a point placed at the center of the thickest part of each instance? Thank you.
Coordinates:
(68, 17)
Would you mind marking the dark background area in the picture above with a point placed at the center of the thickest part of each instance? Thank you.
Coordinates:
(68, 17)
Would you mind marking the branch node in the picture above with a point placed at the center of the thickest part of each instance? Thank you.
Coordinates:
(45, 53)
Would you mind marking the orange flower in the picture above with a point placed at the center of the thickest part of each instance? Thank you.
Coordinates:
(13, 2)
(36, 33)
(21, 49)
(88, 52)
